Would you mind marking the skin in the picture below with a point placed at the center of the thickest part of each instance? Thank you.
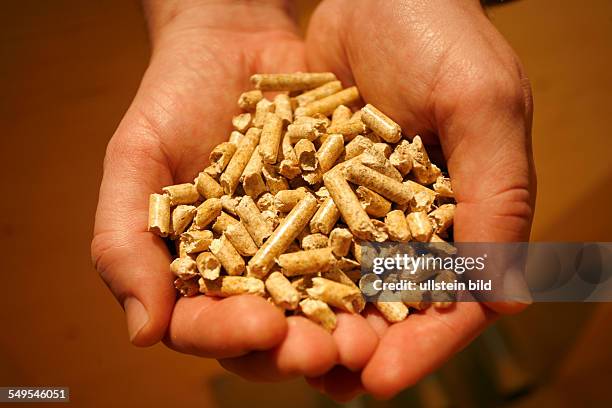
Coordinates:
(454, 80)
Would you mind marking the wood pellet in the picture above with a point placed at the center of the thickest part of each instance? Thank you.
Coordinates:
(307, 175)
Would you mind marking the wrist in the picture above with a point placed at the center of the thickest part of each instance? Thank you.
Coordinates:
(164, 16)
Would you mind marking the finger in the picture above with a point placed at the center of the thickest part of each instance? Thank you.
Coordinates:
(141, 284)
(307, 350)
(355, 339)
(222, 328)
(341, 384)
(419, 345)
(376, 320)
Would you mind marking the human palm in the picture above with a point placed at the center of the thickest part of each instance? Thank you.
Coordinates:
(450, 77)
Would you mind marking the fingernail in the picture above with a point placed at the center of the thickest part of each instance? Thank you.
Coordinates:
(137, 316)
(515, 287)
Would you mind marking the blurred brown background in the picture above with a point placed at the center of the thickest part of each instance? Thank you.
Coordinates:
(68, 70)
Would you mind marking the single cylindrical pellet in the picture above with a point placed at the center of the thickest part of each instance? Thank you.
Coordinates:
(240, 238)
(297, 81)
(309, 130)
(327, 105)
(341, 114)
(221, 155)
(314, 241)
(340, 240)
(374, 204)
(335, 294)
(306, 262)
(208, 265)
(420, 226)
(283, 236)
(383, 185)
(242, 122)
(319, 312)
(252, 176)
(348, 205)
(261, 111)
(306, 154)
(181, 218)
(442, 217)
(222, 222)
(281, 291)
(393, 311)
(401, 158)
(287, 199)
(325, 218)
(248, 100)
(339, 276)
(357, 146)
(184, 268)
(283, 110)
(225, 286)
(423, 198)
(229, 204)
(231, 175)
(253, 221)
(443, 187)
(381, 124)
(235, 138)
(207, 186)
(196, 241)
(207, 212)
(348, 129)
(320, 92)
(230, 259)
(159, 214)
(181, 194)
(270, 140)
(397, 226)
(330, 151)
(422, 169)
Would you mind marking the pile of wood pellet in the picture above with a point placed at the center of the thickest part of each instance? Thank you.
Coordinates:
(283, 207)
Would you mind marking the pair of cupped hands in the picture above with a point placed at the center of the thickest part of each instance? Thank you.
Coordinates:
(438, 68)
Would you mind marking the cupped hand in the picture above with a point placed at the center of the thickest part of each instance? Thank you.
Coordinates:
(203, 54)
(441, 70)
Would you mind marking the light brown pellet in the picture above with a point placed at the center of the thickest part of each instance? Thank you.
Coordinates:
(381, 124)
(325, 218)
(285, 200)
(159, 214)
(297, 81)
(423, 170)
(186, 288)
(283, 236)
(443, 187)
(339, 276)
(306, 262)
(335, 294)
(327, 105)
(314, 241)
(376, 160)
(341, 113)
(207, 186)
(397, 226)
(248, 100)
(306, 154)
(270, 140)
(281, 291)
(340, 240)
(319, 312)
(184, 268)
(274, 181)
(442, 217)
(374, 204)
(235, 138)
(261, 112)
(238, 235)
(252, 177)
(282, 108)
(181, 194)
(231, 176)
(220, 157)
(383, 185)
(182, 215)
(357, 146)
(289, 166)
(423, 198)
(401, 158)
(420, 226)
(266, 202)
(242, 122)
(348, 129)
(328, 153)
(393, 311)
(196, 241)
(207, 212)
(208, 265)
(230, 259)
(320, 92)
(225, 286)
(253, 221)
(222, 222)
(310, 129)
(349, 206)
